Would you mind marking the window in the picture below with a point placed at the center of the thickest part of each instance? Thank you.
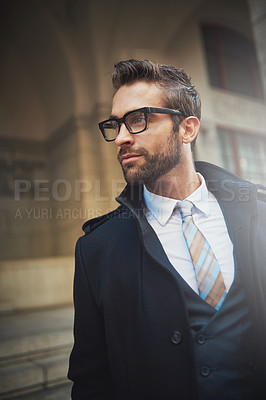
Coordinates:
(244, 154)
(231, 61)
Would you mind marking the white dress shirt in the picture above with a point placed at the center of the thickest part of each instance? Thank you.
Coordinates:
(166, 221)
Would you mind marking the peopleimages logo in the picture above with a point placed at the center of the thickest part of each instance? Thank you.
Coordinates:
(64, 190)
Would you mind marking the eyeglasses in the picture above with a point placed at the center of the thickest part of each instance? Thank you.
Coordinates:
(136, 121)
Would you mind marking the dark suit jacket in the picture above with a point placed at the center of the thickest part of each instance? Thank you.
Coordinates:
(128, 300)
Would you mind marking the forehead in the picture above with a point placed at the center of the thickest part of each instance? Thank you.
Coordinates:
(136, 95)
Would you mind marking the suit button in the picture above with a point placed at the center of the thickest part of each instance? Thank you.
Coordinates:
(201, 339)
(205, 371)
(176, 337)
(252, 366)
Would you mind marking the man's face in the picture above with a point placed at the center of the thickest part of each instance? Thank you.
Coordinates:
(149, 155)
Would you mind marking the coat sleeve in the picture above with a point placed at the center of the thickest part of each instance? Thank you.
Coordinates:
(88, 365)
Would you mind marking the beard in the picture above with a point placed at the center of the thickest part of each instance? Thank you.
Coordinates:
(155, 165)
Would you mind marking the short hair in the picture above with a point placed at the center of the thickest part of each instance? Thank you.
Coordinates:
(178, 91)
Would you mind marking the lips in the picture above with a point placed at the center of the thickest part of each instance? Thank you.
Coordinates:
(128, 158)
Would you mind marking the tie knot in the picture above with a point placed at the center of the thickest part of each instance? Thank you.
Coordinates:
(185, 208)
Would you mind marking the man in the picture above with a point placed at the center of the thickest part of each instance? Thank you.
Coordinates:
(170, 287)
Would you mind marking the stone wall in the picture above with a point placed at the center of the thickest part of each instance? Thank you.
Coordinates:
(36, 283)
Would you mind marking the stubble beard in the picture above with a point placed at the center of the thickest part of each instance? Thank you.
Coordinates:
(155, 165)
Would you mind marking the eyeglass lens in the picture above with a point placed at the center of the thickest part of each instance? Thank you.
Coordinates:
(111, 129)
(135, 122)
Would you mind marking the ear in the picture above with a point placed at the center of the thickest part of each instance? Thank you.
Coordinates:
(189, 129)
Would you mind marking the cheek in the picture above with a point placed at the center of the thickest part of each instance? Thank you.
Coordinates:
(156, 138)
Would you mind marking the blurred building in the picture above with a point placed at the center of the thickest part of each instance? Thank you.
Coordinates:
(56, 63)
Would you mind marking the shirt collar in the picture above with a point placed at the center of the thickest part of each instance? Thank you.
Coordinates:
(163, 207)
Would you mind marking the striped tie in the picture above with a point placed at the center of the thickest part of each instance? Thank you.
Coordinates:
(208, 274)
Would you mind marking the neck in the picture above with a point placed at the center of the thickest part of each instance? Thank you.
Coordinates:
(177, 184)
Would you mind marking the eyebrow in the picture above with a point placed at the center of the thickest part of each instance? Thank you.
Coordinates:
(115, 116)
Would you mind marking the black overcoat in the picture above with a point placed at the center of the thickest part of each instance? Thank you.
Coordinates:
(132, 336)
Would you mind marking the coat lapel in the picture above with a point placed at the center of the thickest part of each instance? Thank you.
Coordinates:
(238, 221)
(238, 201)
(132, 198)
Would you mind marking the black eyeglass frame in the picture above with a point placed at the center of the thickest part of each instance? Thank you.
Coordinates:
(145, 110)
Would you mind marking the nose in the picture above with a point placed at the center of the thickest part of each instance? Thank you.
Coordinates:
(124, 137)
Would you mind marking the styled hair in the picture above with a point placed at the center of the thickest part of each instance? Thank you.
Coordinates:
(178, 91)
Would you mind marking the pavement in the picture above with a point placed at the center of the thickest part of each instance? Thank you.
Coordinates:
(34, 353)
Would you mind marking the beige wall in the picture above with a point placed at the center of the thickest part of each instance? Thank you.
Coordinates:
(35, 283)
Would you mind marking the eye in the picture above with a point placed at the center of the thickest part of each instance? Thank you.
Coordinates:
(111, 125)
(136, 120)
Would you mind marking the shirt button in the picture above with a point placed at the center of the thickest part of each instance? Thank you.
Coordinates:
(201, 339)
(205, 371)
(176, 337)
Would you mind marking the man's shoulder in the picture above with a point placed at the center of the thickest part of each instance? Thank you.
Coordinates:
(212, 172)
(225, 181)
(94, 223)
